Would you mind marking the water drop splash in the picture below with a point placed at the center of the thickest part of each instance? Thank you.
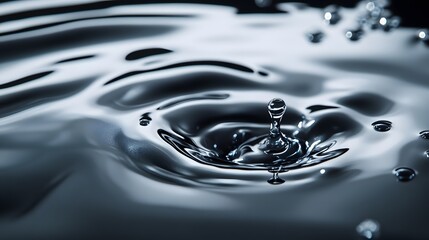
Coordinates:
(315, 37)
(424, 134)
(404, 174)
(368, 229)
(382, 125)
(254, 147)
(331, 14)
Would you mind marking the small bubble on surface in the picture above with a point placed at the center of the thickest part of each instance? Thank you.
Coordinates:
(368, 229)
(354, 35)
(315, 37)
(382, 126)
(331, 14)
(404, 174)
(145, 119)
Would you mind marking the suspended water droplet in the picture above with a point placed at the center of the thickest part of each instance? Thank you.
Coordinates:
(315, 37)
(322, 171)
(145, 119)
(263, 3)
(404, 174)
(423, 35)
(276, 143)
(331, 14)
(382, 125)
(354, 35)
(368, 229)
(424, 134)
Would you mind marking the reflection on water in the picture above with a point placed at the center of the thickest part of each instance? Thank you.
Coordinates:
(123, 119)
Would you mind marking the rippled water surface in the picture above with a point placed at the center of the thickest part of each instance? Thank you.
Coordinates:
(143, 121)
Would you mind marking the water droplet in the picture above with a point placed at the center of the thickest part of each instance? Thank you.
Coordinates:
(423, 35)
(382, 125)
(404, 174)
(331, 14)
(354, 35)
(145, 119)
(368, 229)
(315, 37)
(383, 21)
(322, 171)
(424, 134)
(263, 3)
(276, 143)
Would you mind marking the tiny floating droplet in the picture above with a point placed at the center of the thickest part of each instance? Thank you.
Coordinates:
(331, 14)
(368, 229)
(404, 174)
(354, 35)
(424, 134)
(315, 37)
(423, 35)
(322, 171)
(382, 126)
(145, 119)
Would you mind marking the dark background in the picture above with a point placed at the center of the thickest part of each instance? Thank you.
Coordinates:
(414, 13)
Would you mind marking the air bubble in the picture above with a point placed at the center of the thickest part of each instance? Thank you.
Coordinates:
(368, 229)
(382, 126)
(404, 174)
